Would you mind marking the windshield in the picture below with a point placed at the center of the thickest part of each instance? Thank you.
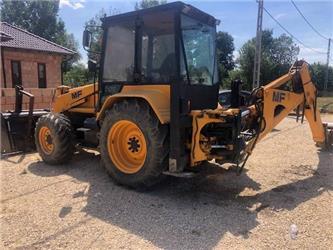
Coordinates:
(199, 50)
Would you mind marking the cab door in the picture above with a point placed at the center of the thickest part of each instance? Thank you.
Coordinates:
(198, 67)
(197, 85)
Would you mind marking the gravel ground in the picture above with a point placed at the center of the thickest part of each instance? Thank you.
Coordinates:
(287, 181)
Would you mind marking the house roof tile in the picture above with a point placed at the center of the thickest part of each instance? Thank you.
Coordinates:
(22, 39)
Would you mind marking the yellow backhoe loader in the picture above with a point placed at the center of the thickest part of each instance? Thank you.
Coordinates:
(154, 109)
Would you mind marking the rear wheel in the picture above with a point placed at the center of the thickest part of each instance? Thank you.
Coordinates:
(53, 138)
(134, 145)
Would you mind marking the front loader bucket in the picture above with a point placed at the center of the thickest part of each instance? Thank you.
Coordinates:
(17, 132)
(17, 127)
(6, 144)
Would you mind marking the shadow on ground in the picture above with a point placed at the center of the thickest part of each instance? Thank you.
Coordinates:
(186, 213)
(8, 158)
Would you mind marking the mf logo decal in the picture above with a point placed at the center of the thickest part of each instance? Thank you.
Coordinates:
(76, 94)
(278, 96)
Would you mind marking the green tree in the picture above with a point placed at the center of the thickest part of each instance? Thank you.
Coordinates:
(94, 26)
(70, 42)
(39, 17)
(224, 55)
(77, 75)
(234, 74)
(278, 54)
(144, 4)
(318, 73)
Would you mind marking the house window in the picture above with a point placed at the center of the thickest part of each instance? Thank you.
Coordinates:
(16, 73)
(41, 75)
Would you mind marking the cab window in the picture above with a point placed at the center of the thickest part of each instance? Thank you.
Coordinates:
(119, 52)
(158, 48)
(199, 50)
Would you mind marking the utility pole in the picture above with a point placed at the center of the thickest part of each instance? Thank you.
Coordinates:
(257, 54)
(327, 64)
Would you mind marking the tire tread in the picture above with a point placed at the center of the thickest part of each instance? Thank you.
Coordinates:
(63, 138)
(140, 111)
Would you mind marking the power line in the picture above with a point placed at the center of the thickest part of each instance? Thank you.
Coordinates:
(307, 21)
(295, 38)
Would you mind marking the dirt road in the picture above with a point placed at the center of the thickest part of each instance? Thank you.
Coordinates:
(287, 181)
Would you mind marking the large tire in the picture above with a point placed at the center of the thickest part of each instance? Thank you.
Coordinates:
(54, 138)
(139, 165)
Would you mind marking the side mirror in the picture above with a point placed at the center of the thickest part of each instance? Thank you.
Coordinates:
(92, 65)
(86, 40)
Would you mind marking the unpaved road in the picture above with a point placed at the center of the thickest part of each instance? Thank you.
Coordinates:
(287, 181)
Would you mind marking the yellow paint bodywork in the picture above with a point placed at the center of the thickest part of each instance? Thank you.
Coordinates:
(291, 101)
(79, 99)
(82, 100)
(127, 158)
(158, 97)
(200, 119)
(46, 146)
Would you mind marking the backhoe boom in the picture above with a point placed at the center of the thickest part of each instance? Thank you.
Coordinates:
(278, 103)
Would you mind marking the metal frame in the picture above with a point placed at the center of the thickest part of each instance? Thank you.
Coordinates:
(101, 65)
(175, 148)
(17, 127)
(177, 6)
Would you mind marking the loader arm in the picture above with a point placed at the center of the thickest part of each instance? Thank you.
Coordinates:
(80, 99)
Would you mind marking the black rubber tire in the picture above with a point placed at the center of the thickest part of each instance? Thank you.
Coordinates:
(62, 138)
(157, 140)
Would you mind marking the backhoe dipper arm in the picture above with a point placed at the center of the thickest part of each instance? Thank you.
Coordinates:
(275, 102)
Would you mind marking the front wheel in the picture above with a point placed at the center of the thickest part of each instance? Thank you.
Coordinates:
(53, 138)
(134, 145)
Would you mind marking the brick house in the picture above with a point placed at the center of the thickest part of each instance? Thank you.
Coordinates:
(30, 61)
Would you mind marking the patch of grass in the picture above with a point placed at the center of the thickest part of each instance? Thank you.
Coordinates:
(325, 104)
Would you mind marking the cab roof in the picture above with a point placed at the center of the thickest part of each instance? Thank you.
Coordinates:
(174, 6)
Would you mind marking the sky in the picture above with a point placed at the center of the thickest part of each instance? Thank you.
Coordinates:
(238, 18)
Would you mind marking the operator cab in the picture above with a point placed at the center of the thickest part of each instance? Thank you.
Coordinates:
(171, 44)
